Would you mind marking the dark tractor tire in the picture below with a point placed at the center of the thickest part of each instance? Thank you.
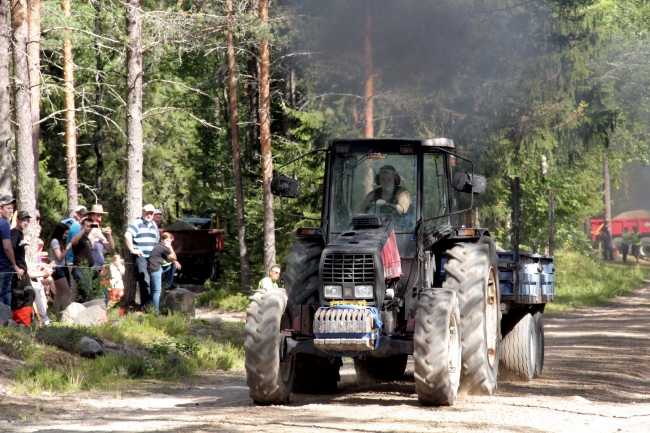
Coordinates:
(316, 374)
(389, 368)
(269, 377)
(519, 348)
(473, 273)
(539, 340)
(437, 347)
(301, 272)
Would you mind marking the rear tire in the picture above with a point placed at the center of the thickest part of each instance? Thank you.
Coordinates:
(269, 377)
(316, 374)
(473, 273)
(645, 247)
(539, 340)
(437, 348)
(389, 368)
(519, 348)
(301, 273)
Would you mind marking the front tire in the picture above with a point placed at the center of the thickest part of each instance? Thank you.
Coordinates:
(473, 273)
(519, 348)
(437, 349)
(389, 368)
(269, 376)
(301, 271)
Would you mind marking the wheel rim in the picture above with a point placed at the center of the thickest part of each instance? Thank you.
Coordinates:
(285, 361)
(454, 350)
(645, 250)
(492, 318)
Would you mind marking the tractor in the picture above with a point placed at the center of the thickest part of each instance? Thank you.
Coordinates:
(393, 270)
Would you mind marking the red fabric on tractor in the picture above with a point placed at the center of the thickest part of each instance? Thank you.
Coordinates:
(390, 258)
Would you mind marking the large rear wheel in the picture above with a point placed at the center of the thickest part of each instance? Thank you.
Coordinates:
(473, 273)
(539, 340)
(437, 348)
(269, 374)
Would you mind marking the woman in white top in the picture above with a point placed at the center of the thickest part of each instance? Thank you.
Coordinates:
(63, 296)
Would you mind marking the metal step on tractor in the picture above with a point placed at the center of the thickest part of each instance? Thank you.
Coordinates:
(393, 271)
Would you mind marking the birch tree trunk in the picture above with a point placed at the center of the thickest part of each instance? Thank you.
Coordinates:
(368, 75)
(234, 133)
(26, 194)
(265, 139)
(5, 98)
(34, 61)
(134, 146)
(70, 117)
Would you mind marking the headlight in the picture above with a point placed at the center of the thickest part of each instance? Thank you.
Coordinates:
(333, 291)
(364, 291)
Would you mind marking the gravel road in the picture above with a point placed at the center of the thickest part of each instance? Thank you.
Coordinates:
(596, 379)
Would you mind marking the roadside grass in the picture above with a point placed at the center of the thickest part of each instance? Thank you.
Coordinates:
(221, 298)
(581, 281)
(164, 348)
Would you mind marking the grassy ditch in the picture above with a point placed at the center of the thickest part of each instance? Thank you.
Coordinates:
(152, 348)
(581, 281)
(221, 299)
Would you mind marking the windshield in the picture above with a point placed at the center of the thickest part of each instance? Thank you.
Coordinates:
(374, 182)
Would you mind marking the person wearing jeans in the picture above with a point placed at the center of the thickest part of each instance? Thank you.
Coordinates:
(161, 252)
(141, 237)
(8, 265)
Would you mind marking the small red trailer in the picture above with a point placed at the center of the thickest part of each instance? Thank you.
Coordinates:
(643, 225)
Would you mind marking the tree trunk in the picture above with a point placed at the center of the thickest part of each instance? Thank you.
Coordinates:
(26, 195)
(99, 94)
(253, 107)
(368, 75)
(234, 133)
(607, 201)
(265, 140)
(134, 147)
(288, 87)
(34, 61)
(70, 118)
(5, 101)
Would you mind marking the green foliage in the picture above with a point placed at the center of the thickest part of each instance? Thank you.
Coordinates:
(222, 298)
(581, 281)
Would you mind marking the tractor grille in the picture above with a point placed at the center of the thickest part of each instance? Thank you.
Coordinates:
(348, 268)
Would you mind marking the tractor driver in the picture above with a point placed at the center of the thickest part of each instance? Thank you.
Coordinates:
(391, 198)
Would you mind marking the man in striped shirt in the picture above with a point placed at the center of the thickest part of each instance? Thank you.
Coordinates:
(141, 236)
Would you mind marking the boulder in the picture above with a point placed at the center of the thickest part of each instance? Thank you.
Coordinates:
(5, 312)
(101, 302)
(69, 314)
(89, 348)
(92, 316)
(115, 352)
(178, 301)
(12, 324)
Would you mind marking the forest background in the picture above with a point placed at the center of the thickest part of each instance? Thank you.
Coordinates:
(549, 91)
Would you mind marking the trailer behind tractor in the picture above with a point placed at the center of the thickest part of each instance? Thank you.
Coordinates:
(397, 277)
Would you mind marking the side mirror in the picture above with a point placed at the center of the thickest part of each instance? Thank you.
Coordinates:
(465, 182)
(285, 187)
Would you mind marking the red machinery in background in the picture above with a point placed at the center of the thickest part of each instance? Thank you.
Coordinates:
(618, 224)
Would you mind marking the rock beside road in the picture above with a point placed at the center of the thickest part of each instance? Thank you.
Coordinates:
(93, 316)
(89, 348)
(179, 301)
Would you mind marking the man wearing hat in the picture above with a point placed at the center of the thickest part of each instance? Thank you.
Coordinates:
(80, 213)
(7, 260)
(141, 236)
(102, 237)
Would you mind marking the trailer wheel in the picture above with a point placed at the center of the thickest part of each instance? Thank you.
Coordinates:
(301, 272)
(316, 374)
(389, 368)
(539, 343)
(519, 348)
(473, 273)
(645, 247)
(269, 375)
(437, 347)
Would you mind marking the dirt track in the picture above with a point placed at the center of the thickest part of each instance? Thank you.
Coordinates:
(596, 379)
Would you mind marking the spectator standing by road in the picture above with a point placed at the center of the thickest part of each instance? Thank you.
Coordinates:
(270, 282)
(75, 227)
(636, 243)
(117, 272)
(141, 237)
(83, 261)
(101, 237)
(7, 261)
(58, 250)
(606, 236)
(162, 252)
(168, 268)
(626, 241)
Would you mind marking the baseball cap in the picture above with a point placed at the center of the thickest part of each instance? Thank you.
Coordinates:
(23, 214)
(148, 208)
(7, 199)
(81, 210)
(157, 211)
